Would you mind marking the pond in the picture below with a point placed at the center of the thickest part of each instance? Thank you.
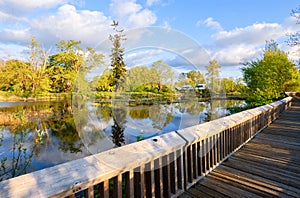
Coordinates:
(36, 135)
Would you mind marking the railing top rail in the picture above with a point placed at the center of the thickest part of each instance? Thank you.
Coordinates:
(62, 179)
(88, 171)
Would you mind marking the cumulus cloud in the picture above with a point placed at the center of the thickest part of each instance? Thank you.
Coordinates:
(239, 45)
(144, 57)
(132, 14)
(236, 54)
(211, 23)
(31, 4)
(9, 18)
(14, 36)
(91, 27)
(253, 35)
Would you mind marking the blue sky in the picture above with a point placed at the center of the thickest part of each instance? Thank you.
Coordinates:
(230, 31)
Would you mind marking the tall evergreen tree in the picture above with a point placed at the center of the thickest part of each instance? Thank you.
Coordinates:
(117, 52)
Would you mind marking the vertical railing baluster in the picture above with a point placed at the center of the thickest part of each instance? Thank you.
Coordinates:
(89, 192)
(189, 163)
(129, 184)
(219, 147)
(117, 186)
(104, 189)
(199, 162)
(139, 182)
(166, 176)
(173, 173)
(158, 176)
(149, 179)
(180, 169)
(195, 161)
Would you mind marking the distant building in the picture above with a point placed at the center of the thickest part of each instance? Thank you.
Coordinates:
(200, 87)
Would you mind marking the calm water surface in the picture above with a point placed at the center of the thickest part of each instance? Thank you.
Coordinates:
(36, 135)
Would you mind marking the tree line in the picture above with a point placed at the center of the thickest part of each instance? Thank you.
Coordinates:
(43, 73)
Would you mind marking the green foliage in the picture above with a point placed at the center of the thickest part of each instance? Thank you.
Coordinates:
(140, 137)
(21, 79)
(195, 77)
(104, 82)
(233, 87)
(213, 81)
(162, 74)
(45, 74)
(153, 87)
(117, 133)
(117, 52)
(21, 156)
(61, 79)
(136, 77)
(269, 78)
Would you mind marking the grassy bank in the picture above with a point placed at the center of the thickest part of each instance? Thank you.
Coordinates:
(8, 97)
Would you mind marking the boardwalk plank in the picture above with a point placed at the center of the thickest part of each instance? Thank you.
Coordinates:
(268, 166)
(269, 161)
(234, 174)
(267, 172)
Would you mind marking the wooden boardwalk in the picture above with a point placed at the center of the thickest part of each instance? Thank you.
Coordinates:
(268, 166)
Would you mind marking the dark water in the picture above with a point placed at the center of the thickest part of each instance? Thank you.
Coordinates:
(37, 135)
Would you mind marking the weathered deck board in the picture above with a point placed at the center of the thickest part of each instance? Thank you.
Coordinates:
(268, 166)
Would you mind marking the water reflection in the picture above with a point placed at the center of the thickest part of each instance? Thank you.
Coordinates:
(117, 129)
(42, 134)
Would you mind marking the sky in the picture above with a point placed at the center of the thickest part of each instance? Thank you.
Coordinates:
(184, 34)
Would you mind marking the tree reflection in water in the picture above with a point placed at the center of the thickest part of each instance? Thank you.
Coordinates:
(47, 135)
(117, 129)
(17, 160)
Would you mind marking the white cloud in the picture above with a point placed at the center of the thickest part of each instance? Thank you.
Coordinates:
(254, 34)
(132, 14)
(14, 36)
(151, 2)
(12, 51)
(240, 45)
(236, 54)
(122, 8)
(143, 57)
(5, 17)
(166, 25)
(31, 4)
(91, 27)
(211, 23)
(143, 18)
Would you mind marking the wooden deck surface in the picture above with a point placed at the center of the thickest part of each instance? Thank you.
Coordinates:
(268, 166)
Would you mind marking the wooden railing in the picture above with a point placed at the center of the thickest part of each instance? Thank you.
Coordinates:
(163, 166)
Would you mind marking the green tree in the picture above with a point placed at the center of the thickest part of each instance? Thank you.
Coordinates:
(117, 129)
(104, 82)
(269, 78)
(117, 52)
(38, 56)
(21, 79)
(229, 85)
(91, 60)
(137, 76)
(213, 77)
(65, 65)
(61, 79)
(162, 74)
(69, 55)
(195, 77)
